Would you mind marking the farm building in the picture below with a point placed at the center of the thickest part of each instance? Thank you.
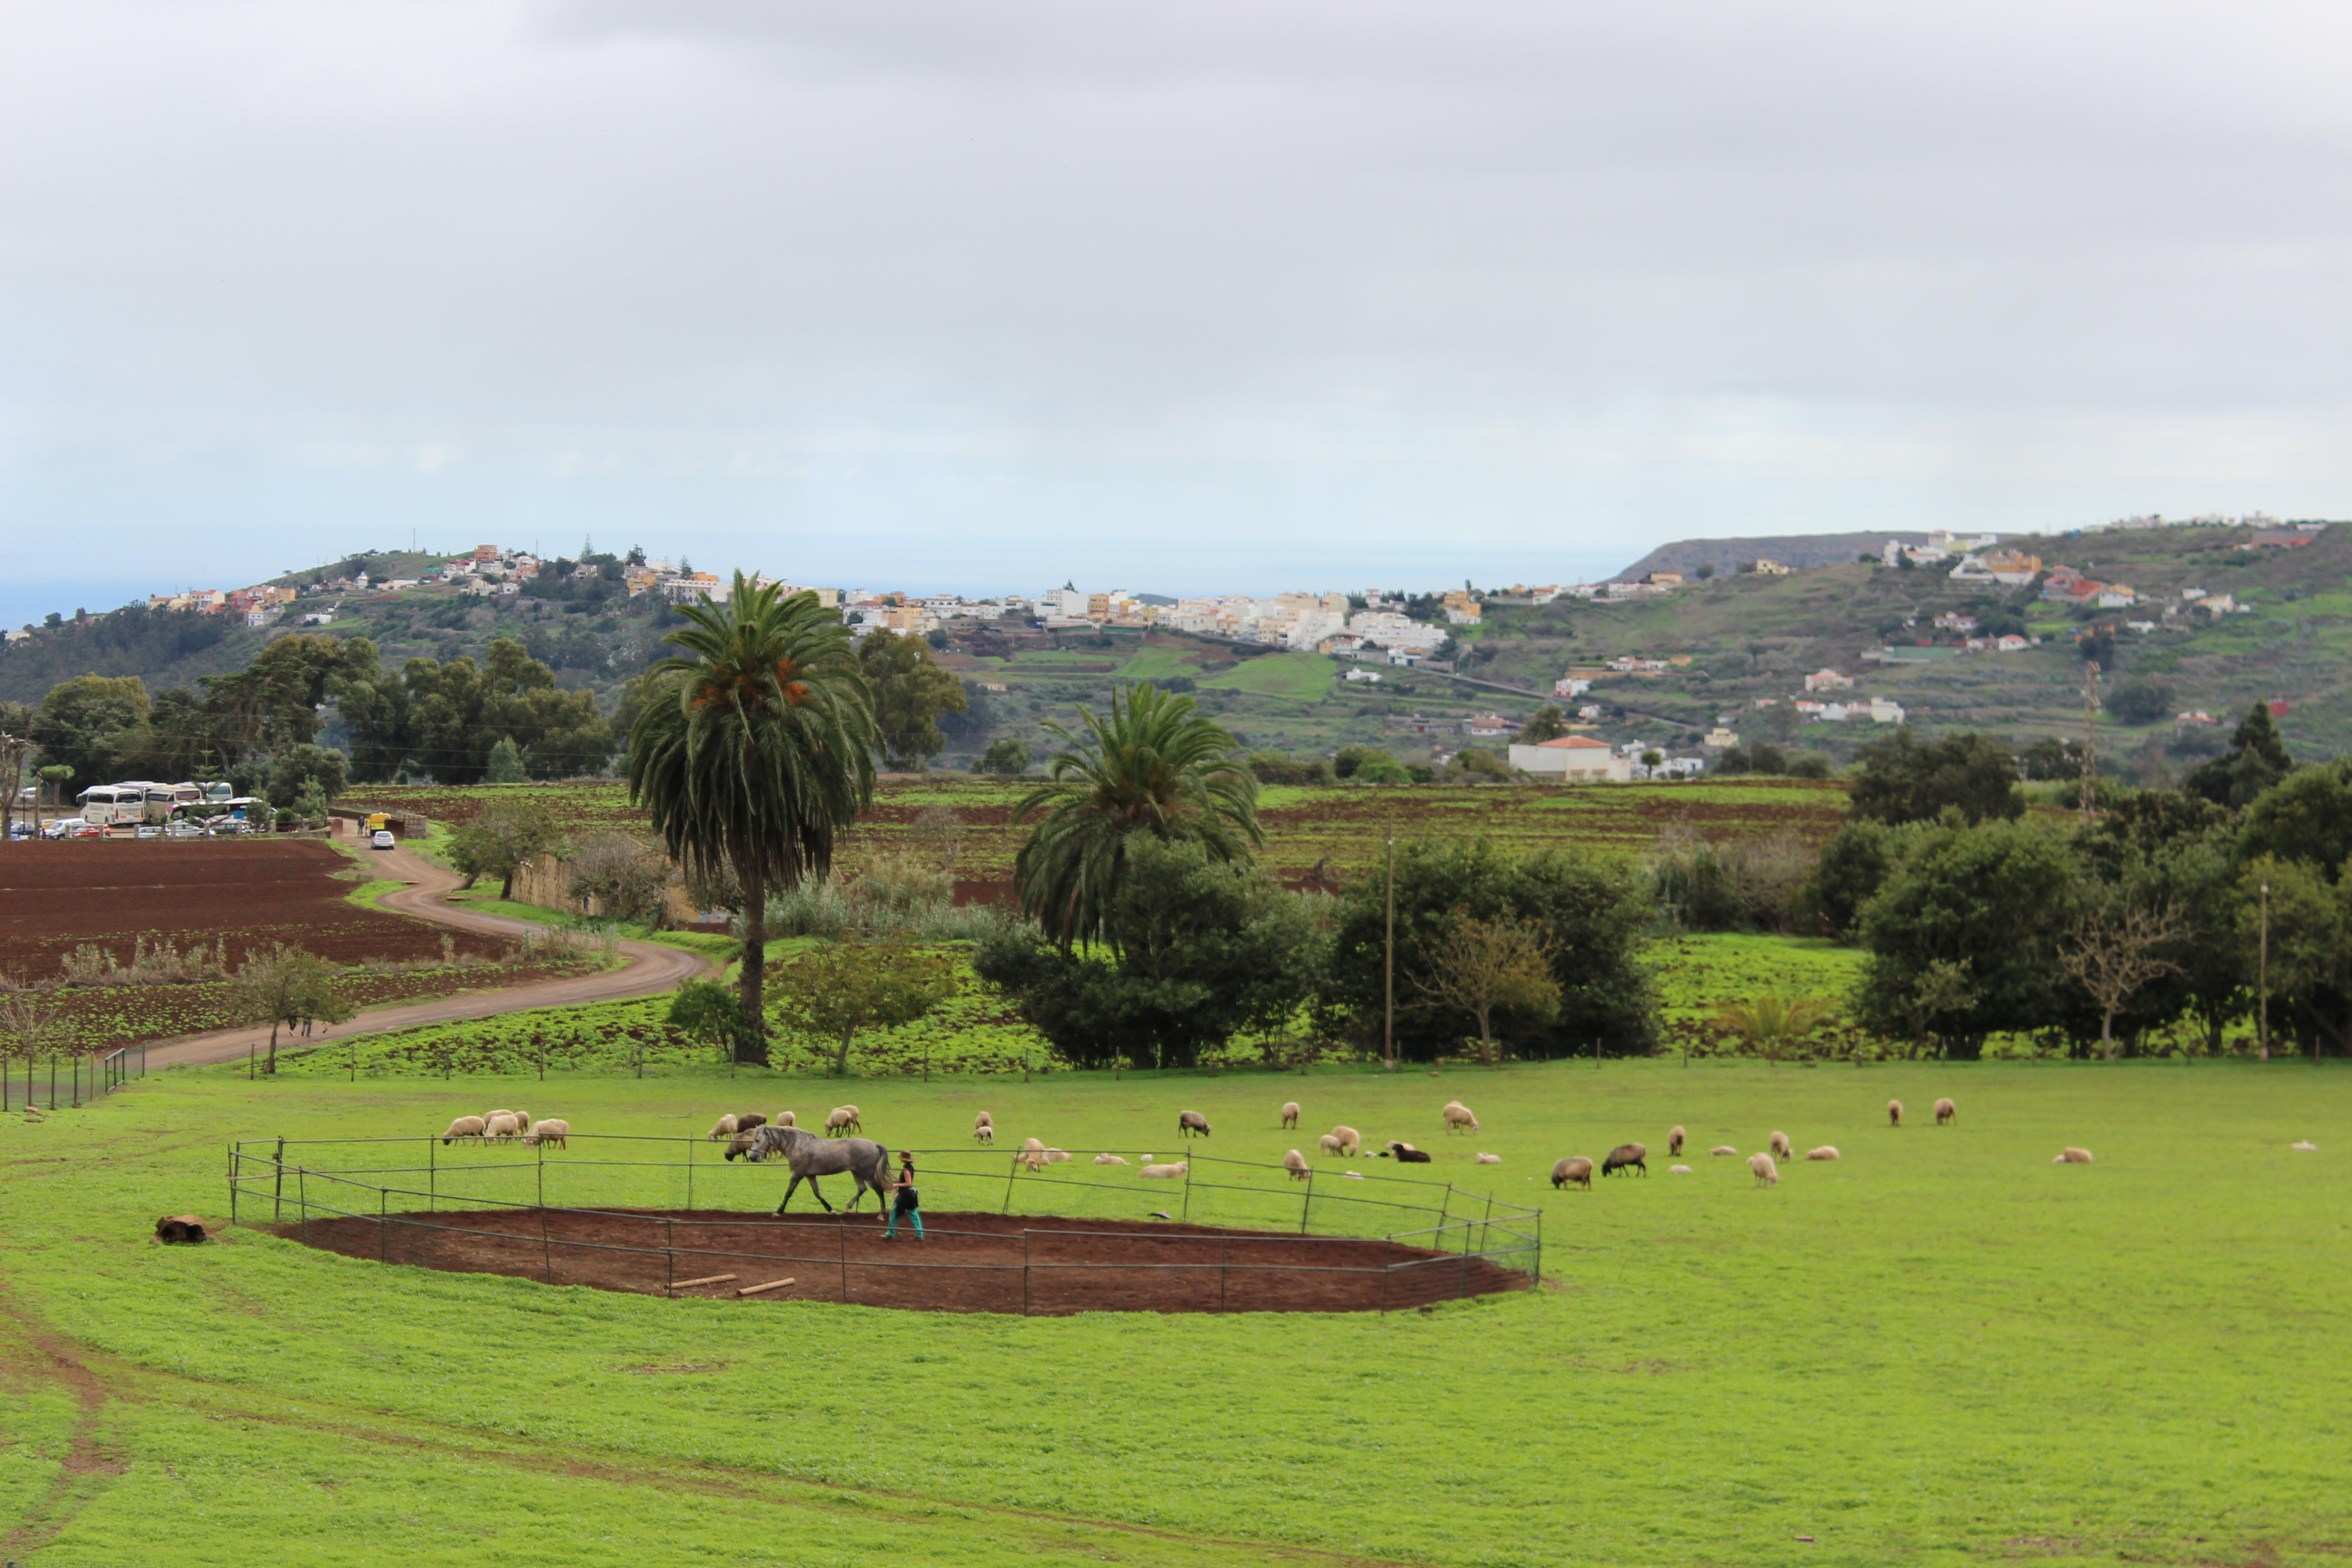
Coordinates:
(1575, 757)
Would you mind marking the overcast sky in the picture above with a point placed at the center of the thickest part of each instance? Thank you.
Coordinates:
(983, 295)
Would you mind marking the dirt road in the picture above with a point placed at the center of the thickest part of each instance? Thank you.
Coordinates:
(650, 968)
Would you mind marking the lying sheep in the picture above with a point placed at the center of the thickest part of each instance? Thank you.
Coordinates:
(722, 1128)
(1627, 1157)
(1895, 1113)
(1458, 1117)
(1354, 1175)
(1350, 1141)
(1723, 1149)
(1289, 1114)
(1826, 1152)
(1109, 1159)
(1165, 1173)
(2073, 1156)
(1296, 1164)
(1057, 1156)
(502, 1127)
(1678, 1170)
(555, 1129)
(1767, 1172)
(1406, 1154)
(1945, 1111)
(1329, 1144)
(1780, 1146)
(1487, 1159)
(1191, 1124)
(1574, 1168)
(2307, 1146)
(1675, 1141)
(464, 1127)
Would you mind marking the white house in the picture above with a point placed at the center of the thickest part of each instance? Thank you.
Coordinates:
(1363, 675)
(1827, 681)
(1573, 757)
(1571, 686)
(1884, 711)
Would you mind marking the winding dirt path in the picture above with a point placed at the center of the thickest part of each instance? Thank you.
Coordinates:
(651, 968)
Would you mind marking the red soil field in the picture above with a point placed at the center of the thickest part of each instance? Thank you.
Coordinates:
(54, 896)
(968, 1262)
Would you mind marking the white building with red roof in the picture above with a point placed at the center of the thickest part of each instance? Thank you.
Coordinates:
(1573, 757)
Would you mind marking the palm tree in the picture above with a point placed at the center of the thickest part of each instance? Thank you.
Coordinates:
(1772, 1023)
(753, 752)
(1154, 766)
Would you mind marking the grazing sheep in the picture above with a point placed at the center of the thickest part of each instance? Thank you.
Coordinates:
(1678, 1170)
(1895, 1113)
(1109, 1159)
(1723, 1149)
(1191, 1124)
(1627, 1157)
(1033, 1154)
(464, 1127)
(1675, 1141)
(722, 1128)
(490, 1116)
(1296, 1164)
(1329, 1144)
(1780, 1146)
(786, 1119)
(1487, 1159)
(985, 1133)
(1945, 1111)
(1575, 1168)
(740, 1146)
(502, 1127)
(1350, 1141)
(1458, 1117)
(1057, 1156)
(1406, 1154)
(1767, 1172)
(1289, 1114)
(841, 1118)
(1165, 1173)
(1826, 1152)
(749, 1121)
(555, 1129)
(521, 1119)
(2073, 1156)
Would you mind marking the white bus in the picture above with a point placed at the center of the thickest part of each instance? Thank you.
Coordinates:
(134, 802)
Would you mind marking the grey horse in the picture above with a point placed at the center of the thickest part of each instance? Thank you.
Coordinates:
(812, 1156)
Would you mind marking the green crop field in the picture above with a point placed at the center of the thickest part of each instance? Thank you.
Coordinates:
(1298, 677)
(1941, 1349)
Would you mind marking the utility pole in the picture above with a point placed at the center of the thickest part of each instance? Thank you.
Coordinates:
(2090, 734)
(2263, 983)
(1388, 1014)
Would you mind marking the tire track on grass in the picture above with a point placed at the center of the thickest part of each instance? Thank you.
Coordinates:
(42, 1355)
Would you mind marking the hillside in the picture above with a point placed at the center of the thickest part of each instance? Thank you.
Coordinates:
(1796, 550)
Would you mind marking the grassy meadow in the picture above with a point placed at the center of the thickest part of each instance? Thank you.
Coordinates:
(1942, 1349)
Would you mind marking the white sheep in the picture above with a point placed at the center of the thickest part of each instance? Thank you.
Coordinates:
(1165, 1173)
(464, 1127)
(502, 1126)
(1109, 1159)
(487, 1115)
(1895, 1113)
(984, 1135)
(1350, 1141)
(786, 1119)
(1678, 1170)
(1354, 1175)
(1487, 1159)
(1057, 1156)
(1826, 1152)
(1780, 1146)
(723, 1128)
(2073, 1156)
(1458, 1117)
(1767, 1172)
(555, 1129)
(1675, 1141)
(1329, 1144)
(1723, 1149)
(521, 1119)
(1946, 1111)
(2307, 1146)
(840, 1119)
(1033, 1154)
(1289, 1114)
(1296, 1164)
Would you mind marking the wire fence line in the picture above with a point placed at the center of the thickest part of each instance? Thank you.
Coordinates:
(87, 1079)
(1242, 1235)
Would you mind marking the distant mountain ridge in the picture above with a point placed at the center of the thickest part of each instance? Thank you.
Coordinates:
(1794, 550)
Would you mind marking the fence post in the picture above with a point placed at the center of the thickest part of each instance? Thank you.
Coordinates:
(432, 1171)
(1011, 1172)
(1308, 1204)
(540, 1149)
(278, 1188)
(689, 1175)
(1186, 1212)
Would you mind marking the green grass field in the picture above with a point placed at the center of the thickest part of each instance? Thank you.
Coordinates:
(1943, 1349)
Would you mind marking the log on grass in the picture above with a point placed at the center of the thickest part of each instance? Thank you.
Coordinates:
(706, 1279)
(770, 1285)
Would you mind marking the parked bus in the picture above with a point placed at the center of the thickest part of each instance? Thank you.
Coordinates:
(135, 802)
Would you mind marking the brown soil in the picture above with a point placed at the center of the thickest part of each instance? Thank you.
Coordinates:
(55, 896)
(967, 1262)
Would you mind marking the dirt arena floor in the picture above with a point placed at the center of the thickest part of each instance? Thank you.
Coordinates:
(967, 1263)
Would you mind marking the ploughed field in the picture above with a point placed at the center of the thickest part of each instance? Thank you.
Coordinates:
(1941, 1348)
(964, 1262)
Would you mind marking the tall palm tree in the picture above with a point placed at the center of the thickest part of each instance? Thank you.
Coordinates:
(753, 752)
(1155, 765)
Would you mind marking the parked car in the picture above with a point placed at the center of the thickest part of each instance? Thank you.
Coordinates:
(63, 828)
(183, 830)
(85, 830)
(382, 839)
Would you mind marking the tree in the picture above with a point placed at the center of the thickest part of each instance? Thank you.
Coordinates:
(1006, 755)
(505, 763)
(1771, 1023)
(1480, 966)
(1853, 866)
(2140, 701)
(1546, 723)
(2307, 815)
(449, 719)
(504, 834)
(1155, 767)
(1478, 764)
(835, 991)
(1899, 780)
(282, 987)
(86, 723)
(707, 1011)
(755, 752)
(939, 834)
(2256, 761)
(628, 881)
(1705, 570)
(2113, 954)
(911, 691)
(305, 769)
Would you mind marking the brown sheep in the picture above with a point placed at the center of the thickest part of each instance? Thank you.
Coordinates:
(1627, 1157)
(750, 1120)
(1191, 1124)
(1289, 1115)
(1781, 1148)
(1767, 1172)
(1895, 1113)
(1946, 1111)
(1575, 1168)
(2073, 1156)
(1675, 1141)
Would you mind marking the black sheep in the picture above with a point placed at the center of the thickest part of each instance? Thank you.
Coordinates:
(1406, 1154)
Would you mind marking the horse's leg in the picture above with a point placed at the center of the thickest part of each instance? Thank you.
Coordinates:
(817, 1192)
(790, 1188)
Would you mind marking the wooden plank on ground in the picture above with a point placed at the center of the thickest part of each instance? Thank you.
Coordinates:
(770, 1285)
